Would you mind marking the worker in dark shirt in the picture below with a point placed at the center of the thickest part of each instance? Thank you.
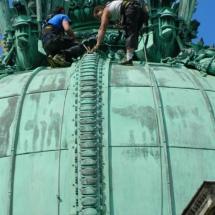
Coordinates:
(59, 40)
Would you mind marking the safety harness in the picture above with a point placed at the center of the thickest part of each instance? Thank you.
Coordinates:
(126, 3)
(124, 6)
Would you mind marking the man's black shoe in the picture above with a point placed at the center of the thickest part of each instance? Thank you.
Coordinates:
(60, 61)
(51, 62)
(127, 63)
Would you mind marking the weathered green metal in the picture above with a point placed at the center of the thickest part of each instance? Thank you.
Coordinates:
(100, 146)
(98, 138)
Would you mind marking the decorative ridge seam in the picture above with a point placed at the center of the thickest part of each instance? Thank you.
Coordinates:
(89, 136)
(16, 139)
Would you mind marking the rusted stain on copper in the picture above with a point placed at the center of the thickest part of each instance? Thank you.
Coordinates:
(6, 120)
(135, 153)
(44, 131)
(138, 151)
(54, 128)
(180, 112)
(125, 77)
(57, 81)
(145, 114)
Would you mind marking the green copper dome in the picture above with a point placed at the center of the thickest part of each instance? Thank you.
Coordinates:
(99, 138)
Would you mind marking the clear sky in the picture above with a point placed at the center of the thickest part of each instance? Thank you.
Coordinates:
(205, 14)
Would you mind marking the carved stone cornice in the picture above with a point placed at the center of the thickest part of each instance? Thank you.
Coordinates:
(203, 201)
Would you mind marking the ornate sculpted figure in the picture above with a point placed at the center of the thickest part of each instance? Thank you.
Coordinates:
(169, 32)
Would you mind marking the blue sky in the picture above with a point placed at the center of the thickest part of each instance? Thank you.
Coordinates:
(205, 13)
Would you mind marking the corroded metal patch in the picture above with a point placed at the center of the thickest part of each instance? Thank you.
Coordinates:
(7, 114)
